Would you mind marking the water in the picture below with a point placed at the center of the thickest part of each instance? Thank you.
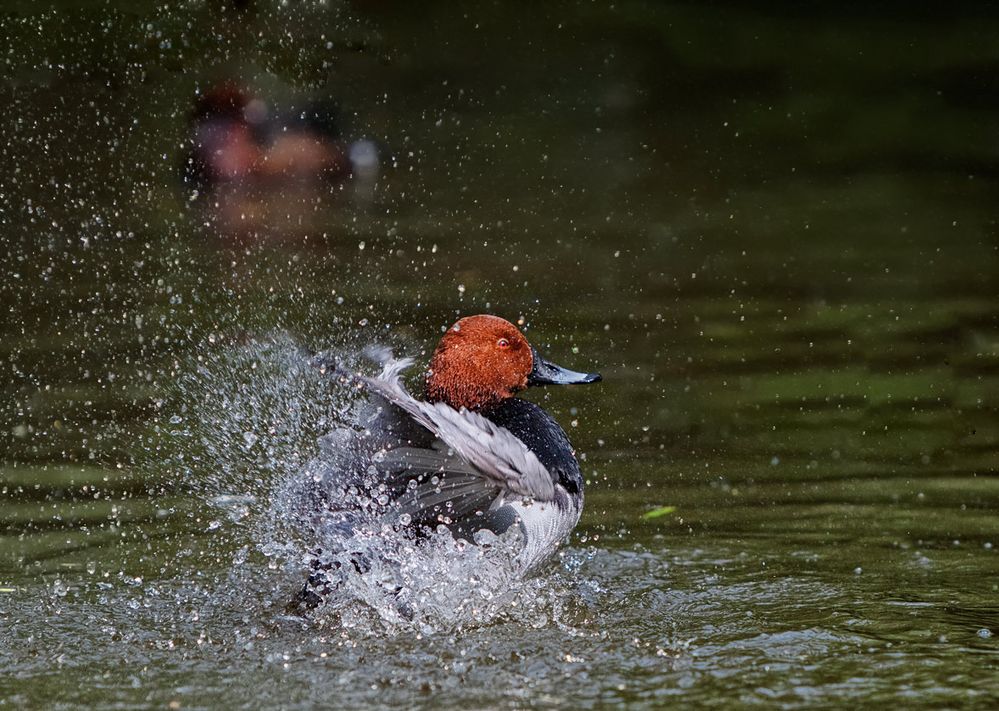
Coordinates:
(772, 232)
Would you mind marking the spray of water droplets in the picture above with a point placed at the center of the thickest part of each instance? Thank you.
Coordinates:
(256, 432)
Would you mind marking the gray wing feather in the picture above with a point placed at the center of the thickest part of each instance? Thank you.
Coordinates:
(436, 482)
(493, 452)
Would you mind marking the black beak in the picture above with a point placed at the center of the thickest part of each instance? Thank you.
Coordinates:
(545, 373)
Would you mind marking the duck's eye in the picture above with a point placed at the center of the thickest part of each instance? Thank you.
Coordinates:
(503, 343)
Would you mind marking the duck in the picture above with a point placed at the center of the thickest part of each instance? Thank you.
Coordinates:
(237, 139)
(470, 455)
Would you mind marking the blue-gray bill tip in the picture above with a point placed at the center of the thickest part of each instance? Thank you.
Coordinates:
(547, 373)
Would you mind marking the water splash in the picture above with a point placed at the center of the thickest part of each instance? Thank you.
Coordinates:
(265, 440)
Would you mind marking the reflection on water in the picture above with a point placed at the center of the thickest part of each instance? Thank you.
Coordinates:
(774, 233)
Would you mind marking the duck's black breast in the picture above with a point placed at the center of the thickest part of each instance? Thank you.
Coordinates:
(543, 436)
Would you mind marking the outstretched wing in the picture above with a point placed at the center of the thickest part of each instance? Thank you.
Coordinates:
(475, 462)
(432, 482)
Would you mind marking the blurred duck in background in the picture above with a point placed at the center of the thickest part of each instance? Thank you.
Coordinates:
(237, 137)
(252, 158)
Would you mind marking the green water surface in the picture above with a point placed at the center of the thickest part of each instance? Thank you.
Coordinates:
(772, 230)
